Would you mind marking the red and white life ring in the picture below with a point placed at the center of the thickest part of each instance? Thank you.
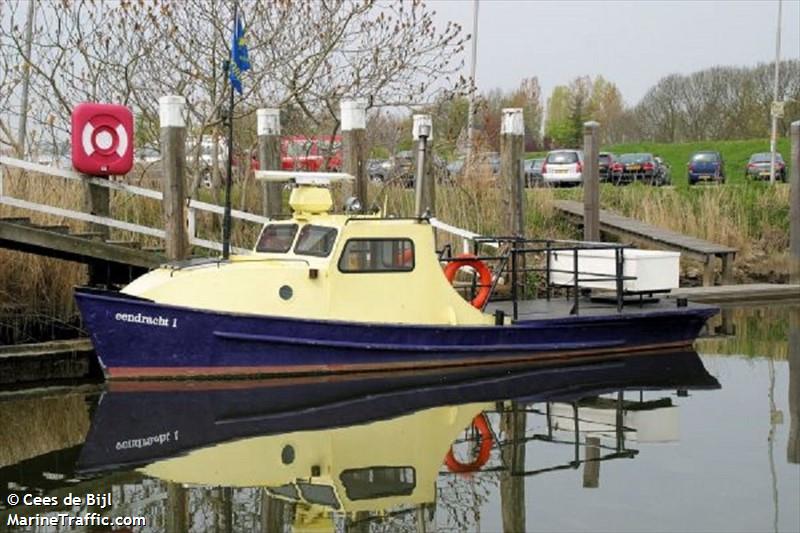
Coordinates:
(486, 438)
(484, 276)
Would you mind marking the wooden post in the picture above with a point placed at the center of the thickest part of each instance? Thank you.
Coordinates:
(269, 158)
(794, 204)
(424, 182)
(591, 182)
(97, 202)
(793, 441)
(173, 166)
(512, 135)
(591, 466)
(512, 482)
(176, 519)
(354, 145)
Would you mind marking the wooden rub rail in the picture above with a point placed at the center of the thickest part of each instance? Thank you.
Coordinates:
(648, 235)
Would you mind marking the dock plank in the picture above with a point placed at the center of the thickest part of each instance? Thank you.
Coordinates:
(747, 293)
(614, 221)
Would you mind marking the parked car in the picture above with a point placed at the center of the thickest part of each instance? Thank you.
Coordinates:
(758, 166)
(663, 177)
(378, 169)
(604, 162)
(563, 167)
(635, 167)
(299, 152)
(533, 171)
(706, 166)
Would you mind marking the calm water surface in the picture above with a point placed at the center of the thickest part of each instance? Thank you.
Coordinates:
(676, 442)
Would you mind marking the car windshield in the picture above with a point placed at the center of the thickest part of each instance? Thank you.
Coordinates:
(562, 158)
(635, 158)
(764, 158)
(604, 158)
(705, 157)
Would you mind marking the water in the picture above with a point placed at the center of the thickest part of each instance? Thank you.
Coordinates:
(663, 443)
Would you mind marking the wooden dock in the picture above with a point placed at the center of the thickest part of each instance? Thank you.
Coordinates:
(646, 235)
(54, 360)
(749, 294)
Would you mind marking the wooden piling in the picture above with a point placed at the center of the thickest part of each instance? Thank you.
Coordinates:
(591, 466)
(97, 202)
(794, 204)
(793, 440)
(512, 482)
(269, 158)
(173, 167)
(591, 182)
(512, 135)
(424, 181)
(354, 145)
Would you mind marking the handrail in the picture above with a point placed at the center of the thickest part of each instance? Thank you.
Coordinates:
(123, 187)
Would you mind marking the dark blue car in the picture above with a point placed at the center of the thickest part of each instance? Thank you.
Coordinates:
(706, 166)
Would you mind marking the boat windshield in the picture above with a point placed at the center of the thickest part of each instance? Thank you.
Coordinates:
(277, 238)
(319, 494)
(315, 240)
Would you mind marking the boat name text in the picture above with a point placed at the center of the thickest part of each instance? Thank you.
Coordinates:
(139, 318)
(145, 442)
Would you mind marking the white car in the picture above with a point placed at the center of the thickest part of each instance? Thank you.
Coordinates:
(563, 166)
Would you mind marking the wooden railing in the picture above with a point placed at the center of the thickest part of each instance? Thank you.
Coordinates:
(193, 205)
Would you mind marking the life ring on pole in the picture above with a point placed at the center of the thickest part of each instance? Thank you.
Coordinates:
(481, 424)
(484, 276)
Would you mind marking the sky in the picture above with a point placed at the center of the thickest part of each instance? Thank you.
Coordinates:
(631, 43)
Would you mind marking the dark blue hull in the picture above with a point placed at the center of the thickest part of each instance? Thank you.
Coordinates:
(136, 338)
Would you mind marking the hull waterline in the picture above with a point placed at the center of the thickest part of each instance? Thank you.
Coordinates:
(136, 338)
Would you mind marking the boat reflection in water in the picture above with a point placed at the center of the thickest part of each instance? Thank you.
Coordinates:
(369, 447)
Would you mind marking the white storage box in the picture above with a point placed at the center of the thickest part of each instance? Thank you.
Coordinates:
(652, 270)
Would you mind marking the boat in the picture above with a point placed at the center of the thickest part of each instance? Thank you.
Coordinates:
(302, 439)
(137, 423)
(329, 293)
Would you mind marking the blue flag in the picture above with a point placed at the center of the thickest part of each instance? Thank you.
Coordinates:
(240, 61)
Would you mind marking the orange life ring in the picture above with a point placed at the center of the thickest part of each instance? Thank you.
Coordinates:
(484, 275)
(487, 441)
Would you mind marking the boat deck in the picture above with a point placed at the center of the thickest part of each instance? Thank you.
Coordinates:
(561, 307)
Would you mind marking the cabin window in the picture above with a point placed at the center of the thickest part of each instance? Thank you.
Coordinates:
(378, 482)
(277, 238)
(377, 255)
(315, 240)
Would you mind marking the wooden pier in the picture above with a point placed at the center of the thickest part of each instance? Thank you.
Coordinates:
(643, 234)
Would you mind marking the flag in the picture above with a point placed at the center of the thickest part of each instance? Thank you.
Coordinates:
(240, 61)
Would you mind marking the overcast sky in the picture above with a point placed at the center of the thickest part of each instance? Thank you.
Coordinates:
(633, 43)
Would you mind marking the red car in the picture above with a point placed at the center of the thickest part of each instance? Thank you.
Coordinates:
(299, 152)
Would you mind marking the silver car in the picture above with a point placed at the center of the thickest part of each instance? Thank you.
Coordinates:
(563, 167)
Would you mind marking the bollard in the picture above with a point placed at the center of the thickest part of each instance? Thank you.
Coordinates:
(354, 145)
(591, 182)
(173, 166)
(512, 135)
(268, 122)
(794, 205)
(424, 182)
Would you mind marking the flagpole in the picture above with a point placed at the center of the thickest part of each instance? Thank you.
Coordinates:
(226, 220)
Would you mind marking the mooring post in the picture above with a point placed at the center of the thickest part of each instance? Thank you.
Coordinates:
(425, 183)
(512, 135)
(354, 145)
(269, 158)
(591, 182)
(794, 205)
(512, 481)
(173, 167)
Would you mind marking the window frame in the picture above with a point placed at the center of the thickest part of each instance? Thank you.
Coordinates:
(291, 243)
(314, 254)
(387, 271)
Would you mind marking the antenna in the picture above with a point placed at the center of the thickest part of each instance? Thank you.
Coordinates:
(303, 177)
